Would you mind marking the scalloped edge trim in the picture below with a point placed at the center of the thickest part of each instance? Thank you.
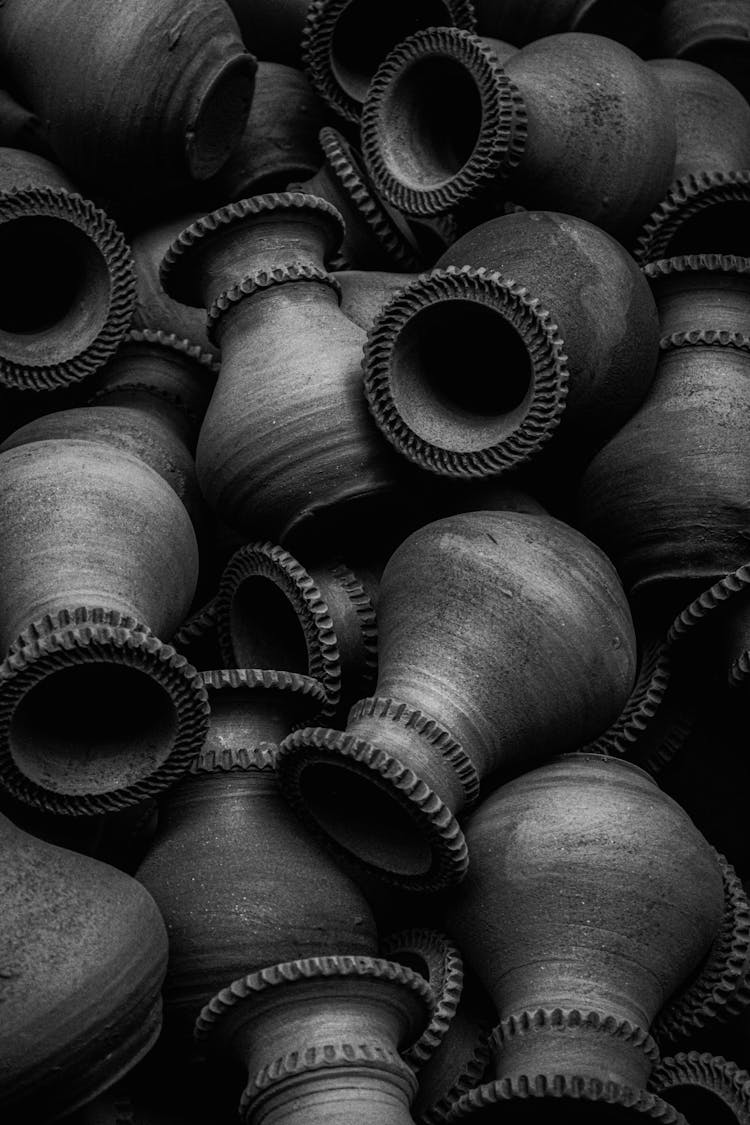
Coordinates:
(502, 136)
(265, 279)
(527, 1022)
(686, 198)
(197, 625)
(174, 259)
(361, 603)
(317, 35)
(446, 978)
(179, 344)
(475, 1067)
(170, 397)
(99, 636)
(710, 1072)
(710, 599)
(565, 1086)
(110, 242)
(547, 357)
(371, 210)
(722, 987)
(270, 561)
(261, 756)
(434, 819)
(706, 338)
(427, 727)
(695, 263)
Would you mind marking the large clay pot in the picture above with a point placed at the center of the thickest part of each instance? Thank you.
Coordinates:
(287, 439)
(73, 290)
(591, 898)
(712, 32)
(470, 617)
(239, 885)
(445, 125)
(346, 40)
(702, 213)
(273, 612)
(131, 99)
(712, 118)
(84, 955)
(320, 1039)
(100, 560)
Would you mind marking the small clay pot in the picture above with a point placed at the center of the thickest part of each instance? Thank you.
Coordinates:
(702, 213)
(710, 1089)
(84, 956)
(713, 33)
(272, 611)
(460, 601)
(73, 289)
(346, 40)
(100, 560)
(320, 1039)
(160, 97)
(20, 128)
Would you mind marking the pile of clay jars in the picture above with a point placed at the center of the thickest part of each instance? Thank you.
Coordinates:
(374, 562)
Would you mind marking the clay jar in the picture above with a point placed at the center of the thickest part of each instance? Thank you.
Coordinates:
(346, 40)
(445, 125)
(575, 335)
(84, 955)
(100, 560)
(160, 97)
(73, 290)
(320, 1039)
(239, 885)
(590, 899)
(287, 439)
(470, 619)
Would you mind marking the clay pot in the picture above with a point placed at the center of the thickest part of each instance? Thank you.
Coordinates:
(714, 33)
(73, 289)
(577, 358)
(19, 128)
(320, 1039)
(100, 560)
(446, 125)
(346, 40)
(239, 885)
(712, 118)
(271, 611)
(364, 293)
(376, 237)
(466, 604)
(710, 1089)
(257, 266)
(160, 97)
(579, 960)
(703, 213)
(280, 139)
(700, 293)
(84, 955)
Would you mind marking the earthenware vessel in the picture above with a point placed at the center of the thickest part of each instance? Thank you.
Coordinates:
(446, 125)
(100, 561)
(459, 601)
(702, 213)
(701, 292)
(578, 962)
(710, 1089)
(20, 128)
(162, 96)
(714, 34)
(345, 41)
(712, 118)
(280, 143)
(73, 291)
(84, 955)
(320, 1038)
(257, 266)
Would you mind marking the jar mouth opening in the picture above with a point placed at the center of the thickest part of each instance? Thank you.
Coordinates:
(221, 117)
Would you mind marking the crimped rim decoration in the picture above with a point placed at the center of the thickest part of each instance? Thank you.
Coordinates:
(446, 978)
(179, 344)
(270, 561)
(728, 587)
(383, 227)
(265, 279)
(564, 1086)
(428, 728)
(707, 338)
(197, 625)
(708, 1072)
(547, 358)
(91, 635)
(502, 135)
(521, 1023)
(695, 263)
(470, 1078)
(109, 241)
(361, 603)
(317, 37)
(686, 198)
(174, 273)
(721, 988)
(305, 969)
(438, 825)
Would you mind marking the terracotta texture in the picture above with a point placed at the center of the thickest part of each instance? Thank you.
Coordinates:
(160, 94)
(73, 289)
(460, 601)
(84, 955)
